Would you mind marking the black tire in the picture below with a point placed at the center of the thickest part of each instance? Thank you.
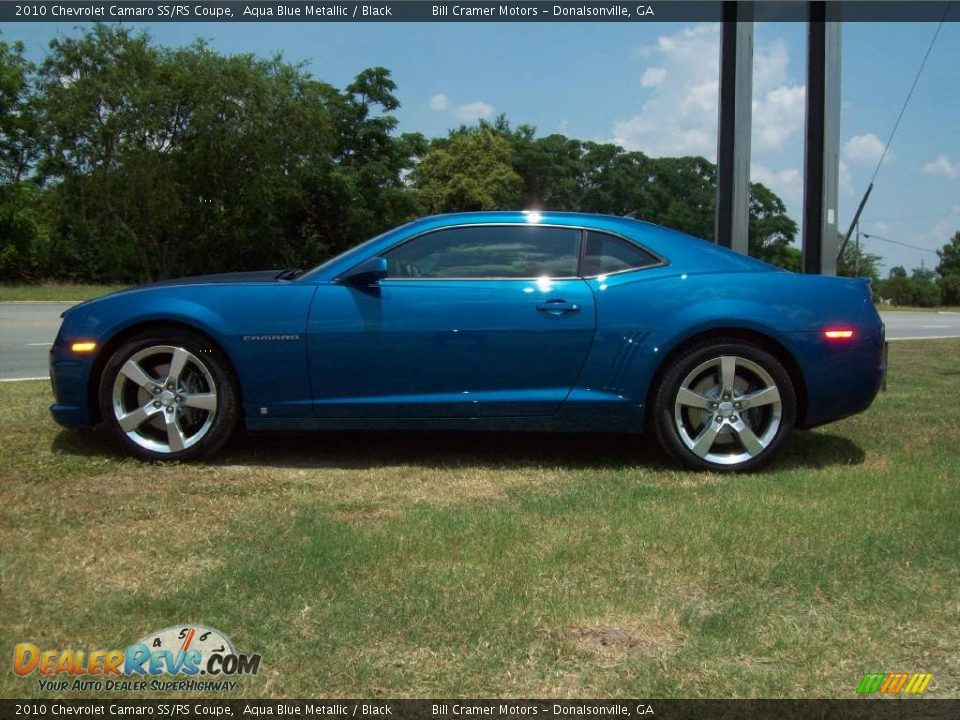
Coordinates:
(747, 438)
(180, 419)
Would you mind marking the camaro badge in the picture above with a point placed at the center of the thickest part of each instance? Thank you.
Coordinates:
(269, 338)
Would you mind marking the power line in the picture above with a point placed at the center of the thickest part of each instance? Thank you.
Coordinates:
(913, 87)
(897, 242)
(916, 79)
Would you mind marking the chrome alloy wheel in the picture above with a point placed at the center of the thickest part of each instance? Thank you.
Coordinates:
(164, 399)
(727, 410)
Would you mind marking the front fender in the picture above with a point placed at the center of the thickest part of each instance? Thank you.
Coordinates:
(260, 327)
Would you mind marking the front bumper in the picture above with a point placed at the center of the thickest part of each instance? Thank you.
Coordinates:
(69, 376)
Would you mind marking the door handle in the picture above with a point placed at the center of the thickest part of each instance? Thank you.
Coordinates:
(557, 307)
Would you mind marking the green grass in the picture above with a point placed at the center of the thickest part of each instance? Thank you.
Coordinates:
(47, 292)
(505, 565)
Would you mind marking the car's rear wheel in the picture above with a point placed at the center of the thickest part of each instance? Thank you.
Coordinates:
(168, 395)
(724, 405)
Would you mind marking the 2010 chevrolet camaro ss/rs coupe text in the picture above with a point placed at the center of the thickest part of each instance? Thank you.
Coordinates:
(499, 320)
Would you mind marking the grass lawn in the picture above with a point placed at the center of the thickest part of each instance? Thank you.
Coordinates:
(53, 291)
(496, 565)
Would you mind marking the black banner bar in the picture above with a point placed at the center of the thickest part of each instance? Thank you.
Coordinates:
(864, 709)
(467, 11)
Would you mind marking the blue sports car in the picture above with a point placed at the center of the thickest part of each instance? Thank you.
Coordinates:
(528, 320)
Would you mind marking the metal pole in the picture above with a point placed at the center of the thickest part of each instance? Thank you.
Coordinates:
(732, 224)
(822, 147)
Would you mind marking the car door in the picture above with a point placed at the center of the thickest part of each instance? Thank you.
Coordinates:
(470, 321)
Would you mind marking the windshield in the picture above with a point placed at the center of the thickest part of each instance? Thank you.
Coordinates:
(357, 250)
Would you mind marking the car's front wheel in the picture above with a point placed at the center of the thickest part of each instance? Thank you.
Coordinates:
(724, 405)
(168, 395)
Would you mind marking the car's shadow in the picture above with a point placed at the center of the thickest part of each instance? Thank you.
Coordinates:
(361, 450)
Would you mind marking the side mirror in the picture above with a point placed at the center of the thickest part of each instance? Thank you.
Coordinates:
(369, 271)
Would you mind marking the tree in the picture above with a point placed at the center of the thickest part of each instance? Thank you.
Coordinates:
(918, 290)
(18, 114)
(357, 189)
(469, 171)
(949, 270)
(857, 262)
(949, 256)
(184, 161)
(772, 231)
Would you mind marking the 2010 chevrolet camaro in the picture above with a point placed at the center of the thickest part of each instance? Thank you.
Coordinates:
(503, 320)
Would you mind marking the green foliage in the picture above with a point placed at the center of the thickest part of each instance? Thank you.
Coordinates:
(923, 287)
(915, 291)
(18, 142)
(857, 262)
(898, 272)
(950, 257)
(950, 289)
(24, 235)
(471, 170)
(184, 160)
(772, 232)
(123, 161)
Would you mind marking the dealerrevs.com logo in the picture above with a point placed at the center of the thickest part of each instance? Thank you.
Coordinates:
(186, 653)
(894, 683)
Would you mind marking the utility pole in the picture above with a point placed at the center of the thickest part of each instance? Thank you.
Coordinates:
(822, 146)
(732, 224)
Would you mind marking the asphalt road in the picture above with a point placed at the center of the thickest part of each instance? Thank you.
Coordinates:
(28, 329)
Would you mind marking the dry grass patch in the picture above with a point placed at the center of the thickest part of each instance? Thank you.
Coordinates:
(613, 641)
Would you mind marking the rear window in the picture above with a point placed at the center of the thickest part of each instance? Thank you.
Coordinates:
(606, 254)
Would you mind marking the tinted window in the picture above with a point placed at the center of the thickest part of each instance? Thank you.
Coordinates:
(607, 254)
(488, 252)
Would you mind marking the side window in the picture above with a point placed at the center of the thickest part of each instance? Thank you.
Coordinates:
(607, 254)
(488, 252)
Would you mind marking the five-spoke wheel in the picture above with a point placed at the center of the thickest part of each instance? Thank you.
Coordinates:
(724, 405)
(168, 396)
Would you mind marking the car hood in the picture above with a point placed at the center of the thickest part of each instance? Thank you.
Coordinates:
(256, 276)
(234, 277)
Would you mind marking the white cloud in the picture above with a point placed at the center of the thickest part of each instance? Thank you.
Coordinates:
(865, 150)
(473, 111)
(466, 113)
(787, 183)
(680, 115)
(845, 178)
(439, 102)
(942, 166)
(778, 115)
(652, 77)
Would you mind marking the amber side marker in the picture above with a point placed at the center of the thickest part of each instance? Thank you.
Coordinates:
(83, 347)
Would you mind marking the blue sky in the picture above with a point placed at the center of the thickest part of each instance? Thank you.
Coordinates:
(652, 87)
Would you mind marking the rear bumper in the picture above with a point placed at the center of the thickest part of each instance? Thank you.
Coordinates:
(842, 379)
(886, 364)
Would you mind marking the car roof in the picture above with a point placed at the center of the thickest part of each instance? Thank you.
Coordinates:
(684, 252)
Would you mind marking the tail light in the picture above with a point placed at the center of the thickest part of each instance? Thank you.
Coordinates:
(838, 334)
